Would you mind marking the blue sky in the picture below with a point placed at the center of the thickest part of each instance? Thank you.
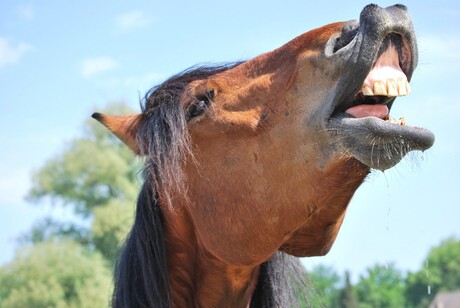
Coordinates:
(60, 61)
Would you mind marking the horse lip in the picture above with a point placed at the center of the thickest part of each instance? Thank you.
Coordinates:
(377, 143)
(385, 131)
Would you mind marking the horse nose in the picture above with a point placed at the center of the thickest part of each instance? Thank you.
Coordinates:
(381, 21)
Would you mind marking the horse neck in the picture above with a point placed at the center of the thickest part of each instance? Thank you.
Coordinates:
(196, 277)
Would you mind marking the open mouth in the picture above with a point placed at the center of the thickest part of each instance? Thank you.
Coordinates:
(361, 120)
(386, 80)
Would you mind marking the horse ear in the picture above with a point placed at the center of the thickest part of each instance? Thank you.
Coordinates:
(124, 127)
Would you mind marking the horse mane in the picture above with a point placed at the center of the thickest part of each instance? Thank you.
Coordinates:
(141, 278)
(282, 283)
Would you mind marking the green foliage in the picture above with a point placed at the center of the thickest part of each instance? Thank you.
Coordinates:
(55, 274)
(48, 228)
(347, 297)
(97, 176)
(67, 264)
(385, 286)
(110, 226)
(382, 286)
(441, 272)
(324, 282)
(90, 172)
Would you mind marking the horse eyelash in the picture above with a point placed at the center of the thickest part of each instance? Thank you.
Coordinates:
(198, 107)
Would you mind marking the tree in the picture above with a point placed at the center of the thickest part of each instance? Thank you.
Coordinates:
(90, 172)
(441, 272)
(324, 282)
(55, 274)
(69, 264)
(112, 223)
(97, 176)
(347, 298)
(382, 286)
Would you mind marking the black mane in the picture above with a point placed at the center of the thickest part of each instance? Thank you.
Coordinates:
(141, 277)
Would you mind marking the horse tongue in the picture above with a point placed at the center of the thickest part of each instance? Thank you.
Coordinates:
(361, 111)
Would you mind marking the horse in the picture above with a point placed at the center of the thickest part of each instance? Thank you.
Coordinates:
(250, 165)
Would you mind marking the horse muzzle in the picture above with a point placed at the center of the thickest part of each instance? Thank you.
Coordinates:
(377, 56)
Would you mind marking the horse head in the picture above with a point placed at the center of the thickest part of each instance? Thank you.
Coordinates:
(263, 156)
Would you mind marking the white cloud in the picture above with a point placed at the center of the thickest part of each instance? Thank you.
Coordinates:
(94, 66)
(133, 20)
(10, 54)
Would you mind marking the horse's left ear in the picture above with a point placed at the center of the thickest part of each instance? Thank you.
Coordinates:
(124, 127)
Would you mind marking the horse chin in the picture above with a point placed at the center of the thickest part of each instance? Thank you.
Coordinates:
(377, 143)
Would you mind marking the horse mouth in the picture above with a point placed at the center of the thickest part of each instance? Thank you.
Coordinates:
(361, 119)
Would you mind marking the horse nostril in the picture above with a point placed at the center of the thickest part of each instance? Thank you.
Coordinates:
(349, 32)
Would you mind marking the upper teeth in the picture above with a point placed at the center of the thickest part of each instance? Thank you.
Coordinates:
(386, 77)
(389, 87)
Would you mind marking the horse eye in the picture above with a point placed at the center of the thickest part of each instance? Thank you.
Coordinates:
(210, 94)
(198, 107)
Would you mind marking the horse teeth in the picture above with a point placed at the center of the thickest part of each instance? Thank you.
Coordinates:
(401, 121)
(367, 91)
(380, 88)
(402, 87)
(392, 88)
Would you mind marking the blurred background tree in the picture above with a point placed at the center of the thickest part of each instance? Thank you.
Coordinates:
(97, 177)
(325, 283)
(70, 263)
(441, 272)
(347, 297)
(55, 274)
(382, 286)
(386, 286)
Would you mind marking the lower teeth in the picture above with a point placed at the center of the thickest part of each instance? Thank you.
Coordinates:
(401, 121)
